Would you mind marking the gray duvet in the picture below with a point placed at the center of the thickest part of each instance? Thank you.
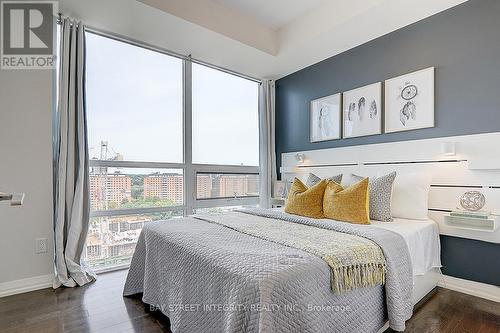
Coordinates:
(209, 278)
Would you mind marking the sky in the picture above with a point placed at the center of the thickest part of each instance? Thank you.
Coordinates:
(134, 101)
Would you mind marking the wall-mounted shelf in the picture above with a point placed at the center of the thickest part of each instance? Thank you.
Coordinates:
(473, 224)
(465, 231)
(277, 202)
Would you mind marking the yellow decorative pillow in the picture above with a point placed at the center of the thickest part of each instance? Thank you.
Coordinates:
(306, 201)
(351, 204)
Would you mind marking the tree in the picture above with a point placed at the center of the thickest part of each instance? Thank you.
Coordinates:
(137, 191)
(147, 202)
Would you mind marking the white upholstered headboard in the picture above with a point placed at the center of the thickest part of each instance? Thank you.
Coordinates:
(475, 166)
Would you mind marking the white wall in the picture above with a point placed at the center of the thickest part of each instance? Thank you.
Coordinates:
(25, 166)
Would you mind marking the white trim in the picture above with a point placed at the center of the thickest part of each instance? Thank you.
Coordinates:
(134, 211)
(225, 202)
(25, 285)
(240, 169)
(135, 164)
(473, 288)
(110, 269)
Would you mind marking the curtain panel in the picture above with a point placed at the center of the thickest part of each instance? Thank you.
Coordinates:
(71, 181)
(267, 141)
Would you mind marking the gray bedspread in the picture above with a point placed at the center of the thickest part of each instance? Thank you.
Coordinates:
(209, 278)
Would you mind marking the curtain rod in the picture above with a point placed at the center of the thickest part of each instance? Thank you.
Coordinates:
(135, 42)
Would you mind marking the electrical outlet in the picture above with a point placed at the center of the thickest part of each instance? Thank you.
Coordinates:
(41, 245)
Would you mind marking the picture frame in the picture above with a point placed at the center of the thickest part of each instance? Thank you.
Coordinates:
(362, 111)
(280, 189)
(325, 118)
(409, 101)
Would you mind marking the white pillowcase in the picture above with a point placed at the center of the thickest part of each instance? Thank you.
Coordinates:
(348, 179)
(410, 196)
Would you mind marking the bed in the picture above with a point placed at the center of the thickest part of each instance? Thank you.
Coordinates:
(208, 275)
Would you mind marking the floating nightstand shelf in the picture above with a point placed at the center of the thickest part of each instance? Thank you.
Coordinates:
(473, 224)
(277, 202)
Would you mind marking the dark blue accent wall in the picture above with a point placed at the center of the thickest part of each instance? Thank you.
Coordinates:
(463, 43)
(471, 259)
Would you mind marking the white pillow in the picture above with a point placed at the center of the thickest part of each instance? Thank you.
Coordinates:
(346, 180)
(410, 196)
(349, 179)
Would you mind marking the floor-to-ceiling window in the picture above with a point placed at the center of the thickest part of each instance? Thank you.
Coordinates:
(167, 137)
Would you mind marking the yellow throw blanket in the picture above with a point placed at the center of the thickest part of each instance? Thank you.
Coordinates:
(354, 261)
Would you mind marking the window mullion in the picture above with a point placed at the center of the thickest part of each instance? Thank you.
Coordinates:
(189, 175)
(135, 211)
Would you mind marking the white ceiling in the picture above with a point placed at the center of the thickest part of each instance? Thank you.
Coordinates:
(274, 14)
(288, 35)
(227, 34)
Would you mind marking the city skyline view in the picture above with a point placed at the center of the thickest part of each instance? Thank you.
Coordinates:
(110, 188)
(111, 239)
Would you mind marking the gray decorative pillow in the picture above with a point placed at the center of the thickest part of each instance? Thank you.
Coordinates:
(312, 179)
(380, 196)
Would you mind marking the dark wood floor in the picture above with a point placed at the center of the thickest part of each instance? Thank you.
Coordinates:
(100, 307)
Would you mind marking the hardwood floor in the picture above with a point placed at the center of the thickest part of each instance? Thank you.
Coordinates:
(100, 307)
(454, 312)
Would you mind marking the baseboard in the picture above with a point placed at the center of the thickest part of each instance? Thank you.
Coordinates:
(473, 288)
(25, 285)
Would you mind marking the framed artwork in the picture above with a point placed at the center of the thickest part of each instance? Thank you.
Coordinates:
(280, 189)
(324, 119)
(409, 101)
(362, 111)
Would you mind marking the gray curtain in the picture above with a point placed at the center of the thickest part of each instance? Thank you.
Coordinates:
(71, 202)
(267, 146)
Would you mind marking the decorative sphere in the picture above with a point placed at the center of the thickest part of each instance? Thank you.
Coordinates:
(472, 200)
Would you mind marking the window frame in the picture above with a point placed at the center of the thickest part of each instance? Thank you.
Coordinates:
(190, 170)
